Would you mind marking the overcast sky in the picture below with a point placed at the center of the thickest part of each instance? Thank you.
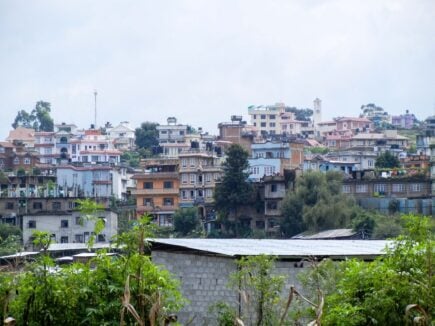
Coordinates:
(203, 61)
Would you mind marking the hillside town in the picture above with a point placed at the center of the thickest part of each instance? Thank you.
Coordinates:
(44, 173)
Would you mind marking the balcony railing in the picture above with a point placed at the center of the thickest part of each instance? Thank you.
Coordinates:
(155, 191)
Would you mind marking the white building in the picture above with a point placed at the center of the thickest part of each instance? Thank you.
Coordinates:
(123, 136)
(69, 227)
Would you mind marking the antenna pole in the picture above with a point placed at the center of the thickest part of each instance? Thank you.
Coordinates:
(95, 102)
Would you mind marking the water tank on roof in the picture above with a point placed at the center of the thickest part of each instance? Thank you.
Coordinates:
(171, 120)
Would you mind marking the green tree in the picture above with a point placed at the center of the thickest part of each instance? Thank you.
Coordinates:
(39, 118)
(381, 292)
(300, 114)
(317, 204)
(10, 239)
(387, 160)
(147, 135)
(233, 190)
(186, 221)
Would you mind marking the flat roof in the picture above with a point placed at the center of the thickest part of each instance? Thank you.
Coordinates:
(280, 248)
(76, 246)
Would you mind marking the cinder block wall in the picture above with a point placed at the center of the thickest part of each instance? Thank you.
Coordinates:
(204, 281)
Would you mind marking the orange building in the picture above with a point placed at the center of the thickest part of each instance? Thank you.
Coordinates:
(157, 190)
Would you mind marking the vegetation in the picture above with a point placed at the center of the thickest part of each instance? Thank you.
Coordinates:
(234, 190)
(392, 290)
(147, 135)
(300, 114)
(10, 239)
(186, 221)
(387, 160)
(39, 118)
(124, 289)
(317, 204)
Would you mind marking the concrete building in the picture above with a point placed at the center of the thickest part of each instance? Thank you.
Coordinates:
(405, 121)
(157, 190)
(199, 171)
(69, 227)
(355, 125)
(94, 147)
(204, 266)
(88, 181)
(387, 140)
(23, 135)
(237, 132)
(123, 136)
(267, 118)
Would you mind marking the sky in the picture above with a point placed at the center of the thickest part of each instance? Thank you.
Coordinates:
(203, 61)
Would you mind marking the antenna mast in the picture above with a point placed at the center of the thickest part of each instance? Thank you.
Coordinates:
(95, 102)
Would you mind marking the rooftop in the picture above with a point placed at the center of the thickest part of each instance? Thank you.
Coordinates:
(280, 248)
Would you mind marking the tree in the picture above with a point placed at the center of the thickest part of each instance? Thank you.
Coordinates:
(234, 190)
(10, 239)
(186, 221)
(39, 118)
(317, 204)
(300, 114)
(387, 160)
(147, 135)
(387, 290)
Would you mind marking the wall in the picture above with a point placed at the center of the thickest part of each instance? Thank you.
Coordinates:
(204, 281)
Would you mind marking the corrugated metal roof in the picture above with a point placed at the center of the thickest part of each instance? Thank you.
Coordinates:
(336, 233)
(280, 248)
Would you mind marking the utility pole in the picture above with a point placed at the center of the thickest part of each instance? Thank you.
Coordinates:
(95, 102)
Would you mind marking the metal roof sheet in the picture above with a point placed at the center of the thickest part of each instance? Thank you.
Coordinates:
(280, 248)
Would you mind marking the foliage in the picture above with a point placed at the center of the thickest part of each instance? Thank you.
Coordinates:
(131, 158)
(318, 150)
(93, 293)
(387, 160)
(317, 204)
(234, 190)
(89, 210)
(259, 288)
(381, 292)
(147, 135)
(39, 118)
(186, 221)
(10, 239)
(300, 114)
(21, 172)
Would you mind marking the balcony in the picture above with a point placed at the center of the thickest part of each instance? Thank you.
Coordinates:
(154, 191)
(158, 175)
(156, 209)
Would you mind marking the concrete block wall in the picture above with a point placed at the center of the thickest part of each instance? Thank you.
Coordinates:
(204, 281)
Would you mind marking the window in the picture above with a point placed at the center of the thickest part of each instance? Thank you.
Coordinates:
(56, 205)
(148, 202)
(192, 178)
(263, 124)
(255, 116)
(168, 202)
(272, 124)
(259, 224)
(209, 193)
(32, 224)
(101, 238)
(192, 162)
(208, 177)
(78, 220)
(64, 223)
(272, 117)
(415, 187)
(72, 205)
(370, 163)
(168, 185)
(398, 187)
(183, 194)
(361, 188)
(16, 160)
(263, 116)
(346, 189)
(9, 205)
(184, 162)
(273, 188)
(380, 188)
(184, 178)
(37, 205)
(79, 238)
(27, 161)
(64, 239)
(272, 205)
(148, 185)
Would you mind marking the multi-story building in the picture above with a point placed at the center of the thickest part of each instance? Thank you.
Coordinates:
(89, 180)
(405, 121)
(355, 125)
(94, 147)
(272, 158)
(237, 132)
(26, 136)
(382, 141)
(16, 156)
(123, 136)
(157, 190)
(199, 171)
(267, 118)
(6, 155)
(69, 227)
